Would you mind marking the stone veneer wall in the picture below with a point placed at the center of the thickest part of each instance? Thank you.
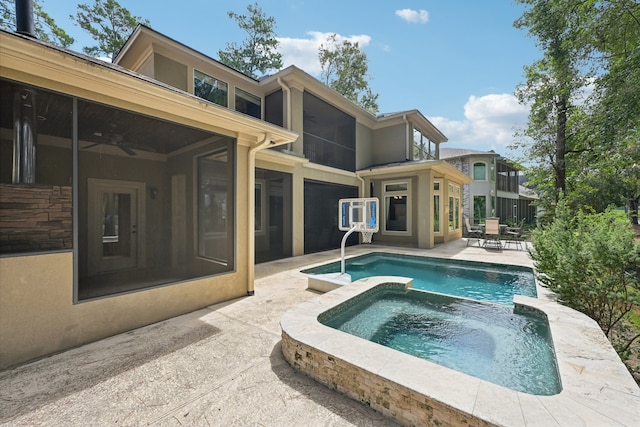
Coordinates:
(35, 218)
(395, 401)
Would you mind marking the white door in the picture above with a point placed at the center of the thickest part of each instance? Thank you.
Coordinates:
(115, 225)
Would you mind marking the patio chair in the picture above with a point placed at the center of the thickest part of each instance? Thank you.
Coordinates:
(492, 233)
(473, 231)
(514, 235)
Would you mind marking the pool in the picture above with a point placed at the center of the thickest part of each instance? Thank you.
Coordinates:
(497, 343)
(475, 280)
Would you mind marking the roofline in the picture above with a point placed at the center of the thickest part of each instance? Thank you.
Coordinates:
(414, 167)
(23, 61)
(140, 28)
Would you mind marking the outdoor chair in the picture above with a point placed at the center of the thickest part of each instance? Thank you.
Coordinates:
(492, 233)
(514, 235)
(473, 231)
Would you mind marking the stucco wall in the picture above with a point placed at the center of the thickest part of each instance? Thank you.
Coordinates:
(38, 316)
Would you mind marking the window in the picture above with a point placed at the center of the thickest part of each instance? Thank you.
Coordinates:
(422, 146)
(210, 88)
(329, 134)
(454, 207)
(274, 108)
(248, 103)
(479, 209)
(396, 207)
(436, 207)
(480, 171)
(215, 206)
(259, 210)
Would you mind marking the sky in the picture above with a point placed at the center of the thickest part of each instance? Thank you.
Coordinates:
(457, 61)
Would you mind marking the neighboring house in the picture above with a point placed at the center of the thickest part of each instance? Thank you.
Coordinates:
(148, 188)
(495, 190)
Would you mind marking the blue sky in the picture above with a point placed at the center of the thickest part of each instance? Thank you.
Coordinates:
(456, 61)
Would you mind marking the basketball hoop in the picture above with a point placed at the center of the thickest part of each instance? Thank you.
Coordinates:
(359, 215)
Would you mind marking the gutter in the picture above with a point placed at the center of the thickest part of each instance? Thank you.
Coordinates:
(287, 91)
(406, 154)
(251, 212)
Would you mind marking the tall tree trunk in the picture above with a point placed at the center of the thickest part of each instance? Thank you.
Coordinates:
(561, 145)
(634, 201)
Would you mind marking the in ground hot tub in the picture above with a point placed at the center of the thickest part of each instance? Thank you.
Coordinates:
(596, 390)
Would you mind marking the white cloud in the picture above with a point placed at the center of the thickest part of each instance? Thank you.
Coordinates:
(303, 53)
(413, 16)
(489, 124)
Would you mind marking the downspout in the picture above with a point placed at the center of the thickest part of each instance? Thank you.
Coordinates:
(251, 211)
(287, 91)
(406, 127)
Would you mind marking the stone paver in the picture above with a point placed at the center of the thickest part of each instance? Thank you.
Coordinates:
(221, 365)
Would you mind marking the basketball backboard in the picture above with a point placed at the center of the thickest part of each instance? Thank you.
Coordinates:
(360, 213)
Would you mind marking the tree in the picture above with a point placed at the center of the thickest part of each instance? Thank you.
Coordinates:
(258, 52)
(552, 82)
(344, 68)
(45, 28)
(109, 24)
(600, 40)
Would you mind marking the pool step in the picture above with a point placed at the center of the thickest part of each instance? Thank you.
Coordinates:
(327, 282)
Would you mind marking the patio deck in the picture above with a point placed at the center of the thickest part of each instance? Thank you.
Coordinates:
(221, 365)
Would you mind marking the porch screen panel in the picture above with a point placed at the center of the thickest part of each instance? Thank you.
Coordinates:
(321, 215)
(156, 202)
(329, 134)
(36, 169)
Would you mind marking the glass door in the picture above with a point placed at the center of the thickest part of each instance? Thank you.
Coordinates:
(114, 224)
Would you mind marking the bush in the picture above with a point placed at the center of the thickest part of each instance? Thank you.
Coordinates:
(591, 262)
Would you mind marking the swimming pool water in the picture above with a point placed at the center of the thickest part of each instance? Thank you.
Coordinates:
(488, 341)
(475, 280)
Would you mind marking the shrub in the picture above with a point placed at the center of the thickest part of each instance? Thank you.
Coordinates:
(591, 262)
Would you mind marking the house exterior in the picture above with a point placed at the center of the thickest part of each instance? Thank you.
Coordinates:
(137, 191)
(495, 190)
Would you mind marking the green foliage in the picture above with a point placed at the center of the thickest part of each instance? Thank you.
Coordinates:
(345, 68)
(592, 263)
(591, 71)
(45, 28)
(258, 52)
(108, 23)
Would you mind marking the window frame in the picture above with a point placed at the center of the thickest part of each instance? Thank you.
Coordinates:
(388, 194)
(473, 170)
(218, 81)
(437, 207)
(246, 95)
(454, 207)
(229, 210)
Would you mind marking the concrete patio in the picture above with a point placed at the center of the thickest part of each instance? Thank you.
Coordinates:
(221, 365)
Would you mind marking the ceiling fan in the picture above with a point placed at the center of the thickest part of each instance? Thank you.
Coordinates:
(111, 138)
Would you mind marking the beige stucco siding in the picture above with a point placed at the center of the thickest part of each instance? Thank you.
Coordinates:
(38, 316)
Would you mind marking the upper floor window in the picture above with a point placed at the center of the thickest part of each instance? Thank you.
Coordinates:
(480, 171)
(422, 146)
(248, 103)
(210, 88)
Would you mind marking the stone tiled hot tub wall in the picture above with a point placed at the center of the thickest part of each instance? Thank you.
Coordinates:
(597, 388)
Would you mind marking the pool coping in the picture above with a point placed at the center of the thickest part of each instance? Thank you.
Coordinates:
(597, 389)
